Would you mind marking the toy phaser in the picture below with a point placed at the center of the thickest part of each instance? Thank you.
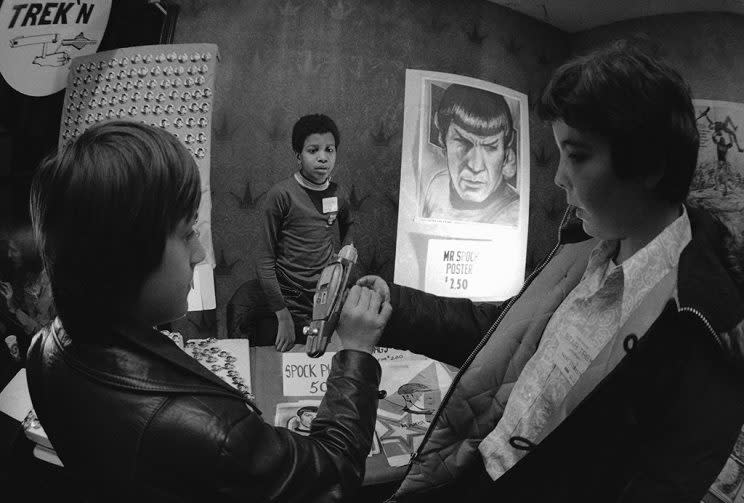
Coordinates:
(327, 301)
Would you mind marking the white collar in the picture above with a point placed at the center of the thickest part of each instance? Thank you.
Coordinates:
(304, 182)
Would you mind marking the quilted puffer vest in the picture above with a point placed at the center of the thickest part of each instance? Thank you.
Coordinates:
(478, 399)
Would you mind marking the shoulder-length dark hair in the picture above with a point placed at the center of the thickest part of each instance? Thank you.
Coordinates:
(313, 124)
(639, 104)
(102, 209)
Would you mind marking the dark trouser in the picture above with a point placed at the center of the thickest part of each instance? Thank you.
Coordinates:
(248, 316)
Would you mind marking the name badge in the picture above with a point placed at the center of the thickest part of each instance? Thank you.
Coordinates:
(330, 204)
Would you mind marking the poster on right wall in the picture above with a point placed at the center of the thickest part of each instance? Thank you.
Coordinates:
(718, 184)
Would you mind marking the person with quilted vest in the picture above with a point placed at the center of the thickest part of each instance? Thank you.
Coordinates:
(131, 415)
(615, 373)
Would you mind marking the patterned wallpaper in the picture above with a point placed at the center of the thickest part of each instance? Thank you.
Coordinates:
(706, 48)
(347, 58)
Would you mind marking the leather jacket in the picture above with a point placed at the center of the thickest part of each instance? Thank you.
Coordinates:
(134, 418)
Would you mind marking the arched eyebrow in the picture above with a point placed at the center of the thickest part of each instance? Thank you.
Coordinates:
(493, 139)
(494, 143)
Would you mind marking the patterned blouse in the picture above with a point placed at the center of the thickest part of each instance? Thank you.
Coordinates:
(589, 318)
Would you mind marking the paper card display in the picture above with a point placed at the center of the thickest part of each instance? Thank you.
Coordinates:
(414, 391)
(305, 376)
(413, 386)
(468, 268)
(298, 417)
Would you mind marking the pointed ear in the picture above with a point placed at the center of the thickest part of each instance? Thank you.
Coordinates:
(512, 140)
(510, 164)
(440, 135)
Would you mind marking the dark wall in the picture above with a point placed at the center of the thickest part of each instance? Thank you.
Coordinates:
(706, 48)
(347, 58)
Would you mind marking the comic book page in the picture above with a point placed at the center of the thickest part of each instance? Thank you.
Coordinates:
(718, 184)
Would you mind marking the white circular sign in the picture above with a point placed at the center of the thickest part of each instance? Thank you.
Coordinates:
(38, 40)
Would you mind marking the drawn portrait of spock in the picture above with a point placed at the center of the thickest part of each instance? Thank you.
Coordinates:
(475, 131)
(303, 420)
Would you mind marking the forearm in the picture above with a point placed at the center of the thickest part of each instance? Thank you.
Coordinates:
(267, 253)
(347, 229)
(346, 420)
(444, 329)
(266, 274)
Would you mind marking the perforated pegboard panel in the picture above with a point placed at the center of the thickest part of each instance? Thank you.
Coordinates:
(169, 86)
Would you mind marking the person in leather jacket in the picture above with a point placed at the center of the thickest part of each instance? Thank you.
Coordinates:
(132, 416)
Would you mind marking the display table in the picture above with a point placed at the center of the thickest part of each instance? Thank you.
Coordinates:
(288, 388)
(269, 382)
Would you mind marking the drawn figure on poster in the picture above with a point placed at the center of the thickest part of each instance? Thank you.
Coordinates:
(726, 126)
(729, 481)
(718, 184)
(475, 130)
(724, 173)
(414, 395)
(404, 415)
(304, 418)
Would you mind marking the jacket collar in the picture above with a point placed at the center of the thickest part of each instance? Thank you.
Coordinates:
(141, 361)
(704, 282)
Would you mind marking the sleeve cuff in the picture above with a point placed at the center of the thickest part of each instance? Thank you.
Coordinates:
(357, 365)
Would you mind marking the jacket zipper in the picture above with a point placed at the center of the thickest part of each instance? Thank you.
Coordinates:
(482, 343)
(705, 322)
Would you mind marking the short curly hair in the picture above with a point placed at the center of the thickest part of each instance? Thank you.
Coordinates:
(312, 124)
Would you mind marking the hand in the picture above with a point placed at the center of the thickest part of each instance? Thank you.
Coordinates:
(285, 336)
(363, 318)
(377, 284)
